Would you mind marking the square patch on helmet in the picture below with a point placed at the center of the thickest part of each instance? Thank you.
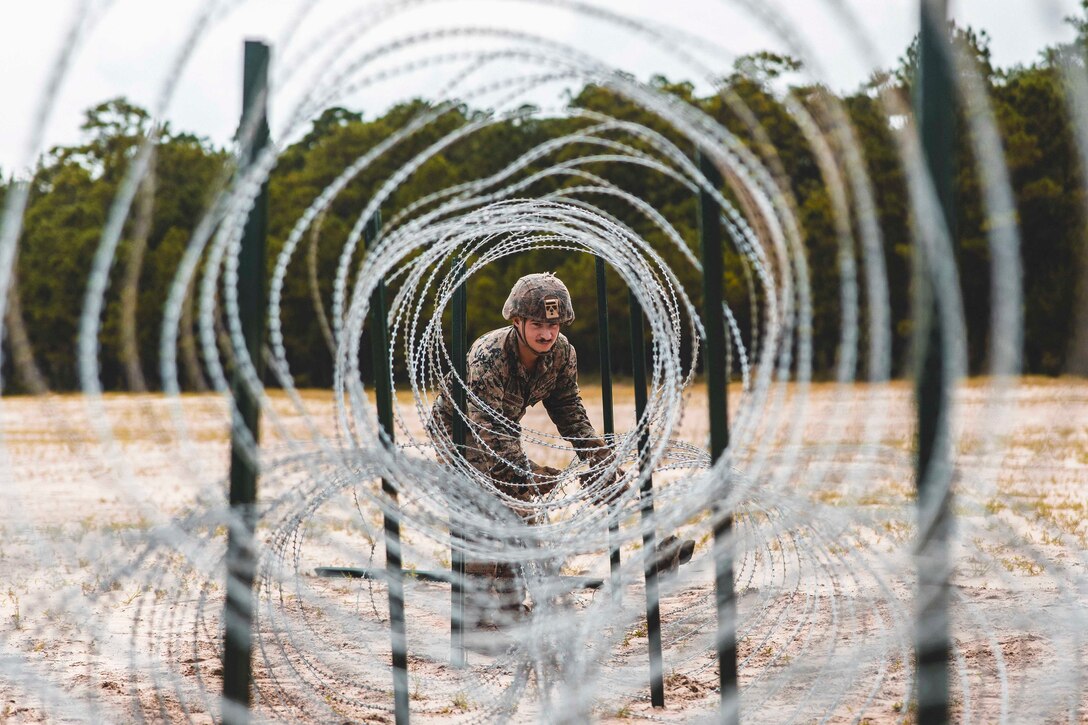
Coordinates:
(551, 308)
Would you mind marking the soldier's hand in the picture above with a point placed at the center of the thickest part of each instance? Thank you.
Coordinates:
(614, 490)
(545, 479)
(608, 491)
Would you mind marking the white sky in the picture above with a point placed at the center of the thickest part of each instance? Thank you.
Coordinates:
(130, 46)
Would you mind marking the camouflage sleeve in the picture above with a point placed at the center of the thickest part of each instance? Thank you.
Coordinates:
(493, 443)
(566, 410)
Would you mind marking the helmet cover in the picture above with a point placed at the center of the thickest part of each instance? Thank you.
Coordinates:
(542, 297)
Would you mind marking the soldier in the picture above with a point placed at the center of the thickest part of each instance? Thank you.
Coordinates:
(510, 369)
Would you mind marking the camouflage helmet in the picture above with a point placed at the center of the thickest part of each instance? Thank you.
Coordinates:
(541, 297)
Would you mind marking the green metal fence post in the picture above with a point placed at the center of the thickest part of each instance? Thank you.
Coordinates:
(241, 550)
(653, 604)
(459, 351)
(934, 106)
(603, 340)
(717, 381)
(383, 393)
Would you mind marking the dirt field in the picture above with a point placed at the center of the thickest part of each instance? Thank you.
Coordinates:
(114, 530)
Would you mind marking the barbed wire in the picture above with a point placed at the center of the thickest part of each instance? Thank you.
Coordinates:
(122, 618)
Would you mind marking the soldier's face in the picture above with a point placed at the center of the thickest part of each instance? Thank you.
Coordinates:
(541, 336)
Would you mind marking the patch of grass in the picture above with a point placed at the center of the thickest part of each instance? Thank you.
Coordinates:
(973, 566)
(1066, 516)
(830, 498)
(1051, 540)
(638, 631)
(133, 597)
(140, 524)
(969, 445)
(903, 443)
(1023, 564)
(16, 618)
(899, 531)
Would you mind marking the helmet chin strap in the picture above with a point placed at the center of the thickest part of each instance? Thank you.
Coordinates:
(521, 337)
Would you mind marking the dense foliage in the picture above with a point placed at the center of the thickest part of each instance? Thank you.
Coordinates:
(73, 189)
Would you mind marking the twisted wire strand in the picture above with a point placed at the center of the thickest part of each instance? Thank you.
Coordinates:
(817, 476)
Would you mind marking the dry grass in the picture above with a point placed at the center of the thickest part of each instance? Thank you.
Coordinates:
(1020, 503)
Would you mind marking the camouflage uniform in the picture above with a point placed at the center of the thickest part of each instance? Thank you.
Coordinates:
(497, 378)
(500, 390)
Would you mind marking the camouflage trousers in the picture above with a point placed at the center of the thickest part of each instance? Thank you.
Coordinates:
(499, 582)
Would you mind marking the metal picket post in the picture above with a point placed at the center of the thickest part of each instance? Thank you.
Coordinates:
(934, 107)
(653, 604)
(383, 393)
(603, 339)
(717, 381)
(459, 351)
(245, 427)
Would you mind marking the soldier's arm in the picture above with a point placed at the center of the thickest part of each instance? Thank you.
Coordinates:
(567, 411)
(493, 442)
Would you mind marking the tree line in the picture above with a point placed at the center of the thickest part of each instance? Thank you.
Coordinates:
(73, 187)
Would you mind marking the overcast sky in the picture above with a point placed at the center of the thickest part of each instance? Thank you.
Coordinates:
(130, 45)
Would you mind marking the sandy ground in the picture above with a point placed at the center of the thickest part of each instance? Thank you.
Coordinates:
(113, 533)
